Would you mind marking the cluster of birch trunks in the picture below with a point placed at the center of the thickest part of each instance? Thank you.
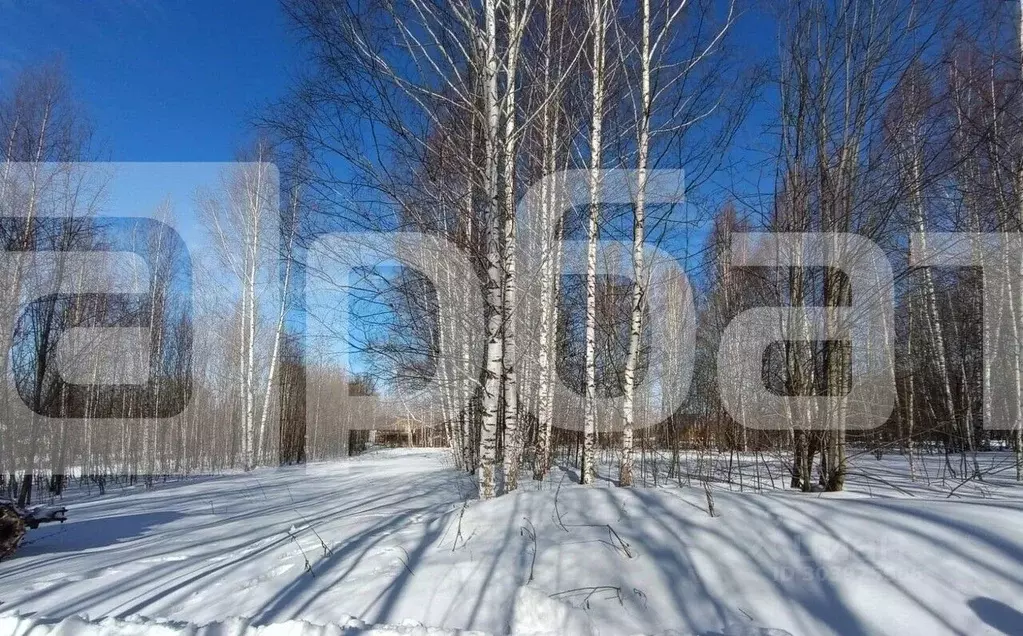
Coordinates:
(501, 128)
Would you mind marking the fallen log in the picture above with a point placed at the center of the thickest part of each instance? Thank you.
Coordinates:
(14, 520)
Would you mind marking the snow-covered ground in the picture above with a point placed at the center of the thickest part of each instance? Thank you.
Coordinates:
(392, 541)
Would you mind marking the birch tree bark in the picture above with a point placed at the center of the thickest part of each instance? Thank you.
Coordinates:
(516, 17)
(598, 34)
(638, 227)
(271, 378)
(494, 297)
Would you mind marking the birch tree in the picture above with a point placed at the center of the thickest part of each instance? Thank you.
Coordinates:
(600, 14)
(652, 60)
(238, 220)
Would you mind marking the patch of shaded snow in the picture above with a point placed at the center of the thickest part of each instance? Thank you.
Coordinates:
(15, 624)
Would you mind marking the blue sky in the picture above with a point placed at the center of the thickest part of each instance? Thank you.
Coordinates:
(161, 80)
(175, 80)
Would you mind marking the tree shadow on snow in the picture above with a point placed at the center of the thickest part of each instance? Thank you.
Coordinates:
(76, 536)
(997, 614)
(770, 538)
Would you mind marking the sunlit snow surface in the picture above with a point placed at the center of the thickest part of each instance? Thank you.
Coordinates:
(393, 541)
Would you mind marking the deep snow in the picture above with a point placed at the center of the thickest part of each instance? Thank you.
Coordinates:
(395, 539)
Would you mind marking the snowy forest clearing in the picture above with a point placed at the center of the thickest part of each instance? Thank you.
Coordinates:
(396, 537)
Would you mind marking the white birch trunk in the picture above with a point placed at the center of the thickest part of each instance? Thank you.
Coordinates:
(549, 270)
(638, 227)
(249, 337)
(278, 334)
(495, 349)
(511, 430)
(1018, 424)
(599, 28)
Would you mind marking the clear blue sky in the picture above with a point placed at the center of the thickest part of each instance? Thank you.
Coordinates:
(162, 80)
